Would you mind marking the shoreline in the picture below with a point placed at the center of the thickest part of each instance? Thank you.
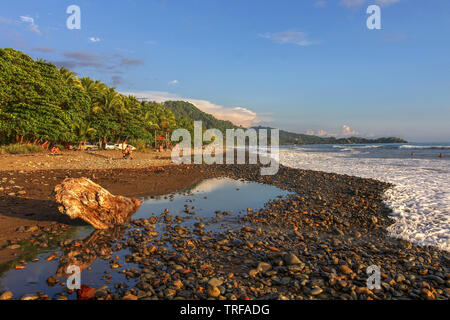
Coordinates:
(335, 225)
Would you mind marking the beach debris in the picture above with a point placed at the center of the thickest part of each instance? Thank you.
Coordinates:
(82, 198)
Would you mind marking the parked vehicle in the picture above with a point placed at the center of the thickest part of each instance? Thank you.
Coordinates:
(110, 146)
(90, 146)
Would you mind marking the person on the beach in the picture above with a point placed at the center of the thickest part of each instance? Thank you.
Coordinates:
(127, 153)
(441, 155)
(54, 150)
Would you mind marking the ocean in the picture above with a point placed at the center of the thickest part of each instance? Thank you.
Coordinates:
(420, 199)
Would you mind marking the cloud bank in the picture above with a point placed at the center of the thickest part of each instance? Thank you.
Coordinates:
(293, 37)
(99, 62)
(345, 132)
(237, 115)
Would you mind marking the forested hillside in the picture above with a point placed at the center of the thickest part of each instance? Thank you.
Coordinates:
(39, 102)
(183, 109)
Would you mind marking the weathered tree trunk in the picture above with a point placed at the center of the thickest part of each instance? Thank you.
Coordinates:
(82, 198)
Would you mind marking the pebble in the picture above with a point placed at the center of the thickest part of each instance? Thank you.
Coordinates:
(316, 291)
(345, 269)
(291, 259)
(52, 281)
(30, 297)
(214, 282)
(7, 295)
(264, 267)
(213, 292)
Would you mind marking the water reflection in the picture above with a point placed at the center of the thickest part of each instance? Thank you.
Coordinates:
(101, 255)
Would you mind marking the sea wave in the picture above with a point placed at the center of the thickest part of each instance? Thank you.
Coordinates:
(408, 146)
(420, 198)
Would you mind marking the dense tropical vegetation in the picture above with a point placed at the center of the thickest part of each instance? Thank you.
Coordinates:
(41, 104)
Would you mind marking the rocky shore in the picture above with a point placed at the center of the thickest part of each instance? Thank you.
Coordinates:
(314, 244)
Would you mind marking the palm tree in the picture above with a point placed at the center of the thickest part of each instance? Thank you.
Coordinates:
(110, 101)
(84, 132)
(152, 123)
(70, 78)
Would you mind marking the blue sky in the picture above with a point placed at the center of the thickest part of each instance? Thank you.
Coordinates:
(305, 66)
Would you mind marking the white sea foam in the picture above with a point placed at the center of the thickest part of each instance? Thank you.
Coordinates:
(420, 199)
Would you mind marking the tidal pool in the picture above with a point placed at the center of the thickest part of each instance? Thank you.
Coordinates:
(217, 203)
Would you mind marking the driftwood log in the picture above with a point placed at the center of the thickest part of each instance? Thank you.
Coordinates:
(84, 199)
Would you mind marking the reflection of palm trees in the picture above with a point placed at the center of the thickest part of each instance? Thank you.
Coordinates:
(84, 253)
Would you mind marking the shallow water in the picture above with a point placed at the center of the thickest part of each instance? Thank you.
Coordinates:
(207, 196)
(420, 199)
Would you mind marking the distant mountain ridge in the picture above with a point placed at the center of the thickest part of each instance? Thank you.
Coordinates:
(186, 110)
(290, 138)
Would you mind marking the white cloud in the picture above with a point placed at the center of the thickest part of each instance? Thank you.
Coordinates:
(33, 27)
(346, 131)
(293, 37)
(94, 39)
(323, 133)
(320, 4)
(359, 3)
(173, 82)
(352, 3)
(386, 2)
(237, 115)
(27, 19)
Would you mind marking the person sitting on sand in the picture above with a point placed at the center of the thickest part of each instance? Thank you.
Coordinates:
(127, 153)
(54, 150)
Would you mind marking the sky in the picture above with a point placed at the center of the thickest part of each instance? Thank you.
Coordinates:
(309, 66)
